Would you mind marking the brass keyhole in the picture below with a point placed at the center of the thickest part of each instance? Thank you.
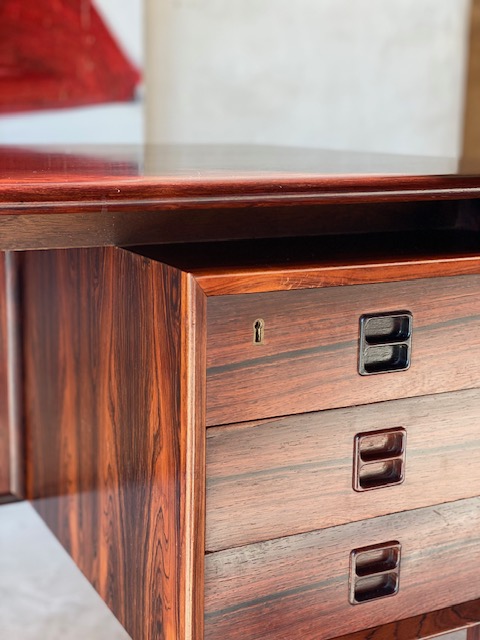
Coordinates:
(258, 331)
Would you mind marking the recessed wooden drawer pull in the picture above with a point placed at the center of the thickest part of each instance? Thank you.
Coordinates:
(374, 572)
(379, 459)
(385, 342)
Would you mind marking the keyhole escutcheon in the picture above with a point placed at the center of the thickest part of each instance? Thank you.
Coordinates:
(258, 331)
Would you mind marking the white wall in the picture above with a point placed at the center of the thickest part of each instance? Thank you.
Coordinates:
(346, 74)
(125, 18)
(104, 124)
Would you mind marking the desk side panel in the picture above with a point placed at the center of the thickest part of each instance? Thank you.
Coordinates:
(114, 402)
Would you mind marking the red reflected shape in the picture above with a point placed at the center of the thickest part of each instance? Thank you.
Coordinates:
(59, 53)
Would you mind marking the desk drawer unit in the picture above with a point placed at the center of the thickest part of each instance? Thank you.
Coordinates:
(343, 457)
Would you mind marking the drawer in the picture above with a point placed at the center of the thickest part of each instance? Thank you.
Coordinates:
(299, 587)
(285, 476)
(307, 354)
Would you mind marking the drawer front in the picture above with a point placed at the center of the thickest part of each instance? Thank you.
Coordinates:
(286, 476)
(306, 357)
(297, 588)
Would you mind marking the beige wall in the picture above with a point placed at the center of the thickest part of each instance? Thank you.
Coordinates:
(345, 74)
(471, 140)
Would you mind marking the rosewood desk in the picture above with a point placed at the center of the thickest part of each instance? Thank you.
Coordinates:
(242, 385)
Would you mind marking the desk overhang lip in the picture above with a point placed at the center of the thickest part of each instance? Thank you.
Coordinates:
(112, 178)
(17, 198)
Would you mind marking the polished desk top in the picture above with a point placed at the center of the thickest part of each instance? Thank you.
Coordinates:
(119, 175)
(105, 185)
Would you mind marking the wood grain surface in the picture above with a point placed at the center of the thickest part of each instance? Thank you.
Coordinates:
(167, 192)
(297, 587)
(111, 226)
(434, 624)
(302, 466)
(259, 280)
(115, 405)
(11, 441)
(219, 176)
(309, 358)
(332, 259)
(473, 633)
(92, 196)
(139, 227)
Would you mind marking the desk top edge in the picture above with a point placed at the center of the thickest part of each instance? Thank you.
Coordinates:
(179, 176)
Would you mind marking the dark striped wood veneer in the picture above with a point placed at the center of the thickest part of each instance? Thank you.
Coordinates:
(297, 587)
(464, 616)
(341, 259)
(114, 379)
(309, 358)
(302, 466)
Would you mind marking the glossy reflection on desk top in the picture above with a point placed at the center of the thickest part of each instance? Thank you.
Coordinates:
(179, 176)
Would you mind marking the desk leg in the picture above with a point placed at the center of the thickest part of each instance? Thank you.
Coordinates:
(11, 458)
(473, 633)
